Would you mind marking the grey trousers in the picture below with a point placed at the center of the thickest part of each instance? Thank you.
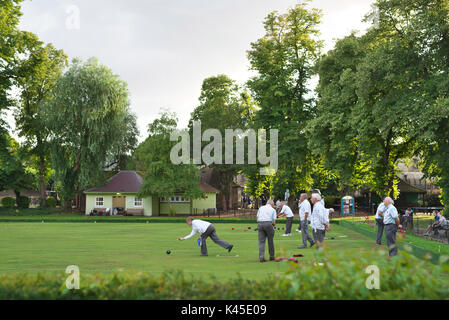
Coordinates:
(212, 233)
(318, 236)
(390, 234)
(305, 233)
(380, 230)
(266, 230)
(288, 225)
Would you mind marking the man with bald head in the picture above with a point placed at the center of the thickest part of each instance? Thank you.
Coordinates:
(266, 220)
(392, 223)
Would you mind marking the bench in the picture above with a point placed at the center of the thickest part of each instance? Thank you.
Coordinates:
(134, 212)
(99, 212)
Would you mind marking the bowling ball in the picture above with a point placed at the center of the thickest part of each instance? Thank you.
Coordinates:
(168, 251)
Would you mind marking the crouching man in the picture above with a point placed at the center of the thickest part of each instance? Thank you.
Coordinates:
(206, 230)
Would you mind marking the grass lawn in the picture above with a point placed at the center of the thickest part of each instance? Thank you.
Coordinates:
(108, 247)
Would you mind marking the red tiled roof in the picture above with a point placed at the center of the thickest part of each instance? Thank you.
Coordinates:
(122, 182)
(130, 182)
(207, 188)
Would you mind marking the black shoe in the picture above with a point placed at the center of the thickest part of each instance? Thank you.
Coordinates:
(230, 248)
(302, 247)
(204, 255)
(263, 260)
(272, 259)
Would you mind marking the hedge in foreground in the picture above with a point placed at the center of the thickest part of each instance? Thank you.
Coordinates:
(335, 276)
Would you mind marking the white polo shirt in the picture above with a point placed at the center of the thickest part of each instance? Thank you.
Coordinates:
(266, 213)
(198, 226)
(320, 216)
(381, 208)
(390, 214)
(305, 207)
(288, 212)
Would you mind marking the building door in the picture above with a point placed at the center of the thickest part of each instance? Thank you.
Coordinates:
(119, 202)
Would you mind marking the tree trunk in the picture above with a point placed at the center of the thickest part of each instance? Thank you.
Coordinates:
(17, 193)
(42, 183)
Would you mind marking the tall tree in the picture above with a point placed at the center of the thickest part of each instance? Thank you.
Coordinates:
(423, 28)
(10, 40)
(85, 118)
(38, 70)
(283, 59)
(163, 178)
(223, 106)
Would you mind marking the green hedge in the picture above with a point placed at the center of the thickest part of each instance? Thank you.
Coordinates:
(50, 202)
(24, 202)
(404, 277)
(8, 202)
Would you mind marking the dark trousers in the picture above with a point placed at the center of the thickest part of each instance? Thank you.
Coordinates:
(390, 234)
(305, 233)
(266, 230)
(212, 233)
(380, 230)
(288, 225)
(318, 236)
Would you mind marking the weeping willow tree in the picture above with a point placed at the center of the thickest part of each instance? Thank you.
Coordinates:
(89, 120)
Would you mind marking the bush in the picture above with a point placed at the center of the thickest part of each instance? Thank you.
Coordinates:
(327, 276)
(332, 201)
(50, 202)
(172, 212)
(8, 202)
(24, 202)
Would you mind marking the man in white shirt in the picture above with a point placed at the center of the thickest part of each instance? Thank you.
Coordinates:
(266, 220)
(320, 220)
(380, 222)
(305, 216)
(288, 213)
(391, 222)
(205, 229)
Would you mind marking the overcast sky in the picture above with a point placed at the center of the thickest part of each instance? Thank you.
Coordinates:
(164, 49)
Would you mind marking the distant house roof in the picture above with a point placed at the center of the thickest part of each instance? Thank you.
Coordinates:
(26, 193)
(404, 186)
(207, 188)
(130, 182)
(122, 182)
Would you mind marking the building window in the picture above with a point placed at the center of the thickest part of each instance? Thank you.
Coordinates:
(99, 202)
(138, 202)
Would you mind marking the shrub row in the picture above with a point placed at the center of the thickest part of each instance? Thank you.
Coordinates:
(324, 277)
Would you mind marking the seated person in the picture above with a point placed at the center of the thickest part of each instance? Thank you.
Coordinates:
(406, 219)
(441, 224)
(435, 225)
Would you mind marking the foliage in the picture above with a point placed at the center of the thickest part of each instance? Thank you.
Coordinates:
(10, 43)
(8, 202)
(283, 60)
(38, 70)
(223, 106)
(163, 178)
(23, 202)
(14, 174)
(333, 277)
(51, 202)
(89, 119)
